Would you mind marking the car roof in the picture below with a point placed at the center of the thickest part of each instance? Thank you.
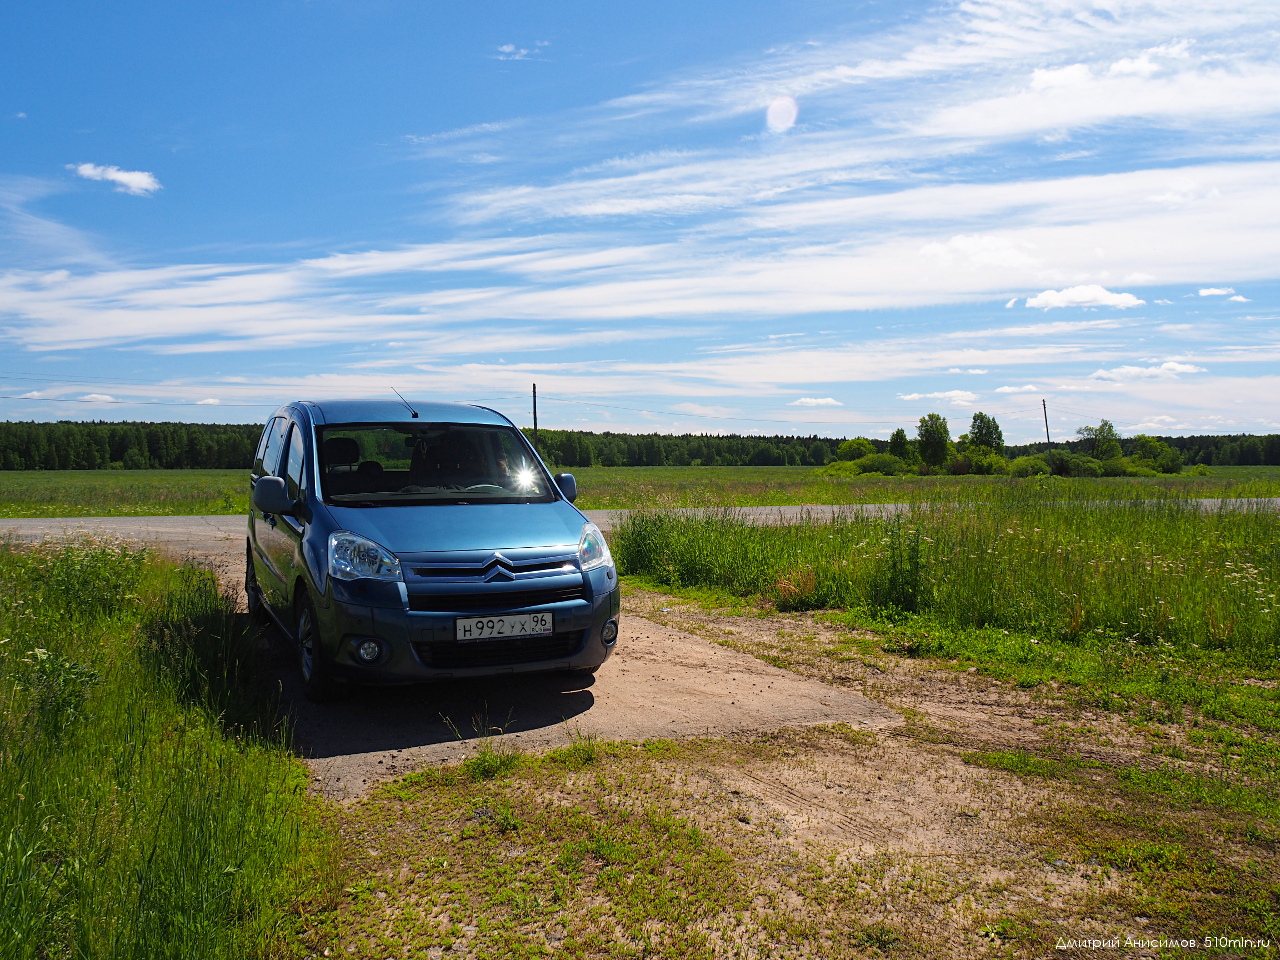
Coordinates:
(393, 411)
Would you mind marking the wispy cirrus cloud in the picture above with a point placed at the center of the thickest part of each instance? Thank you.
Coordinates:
(1169, 370)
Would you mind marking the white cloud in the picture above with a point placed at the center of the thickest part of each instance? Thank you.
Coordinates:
(958, 398)
(1085, 295)
(816, 402)
(1071, 76)
(1011, 304)
(1029, 388)
(977, 250)
(1164, 303)
(704, 410)
(509, 51)
(209, 402)
(1142, 66)
(970, 370)
(101, 397)
(32, 395)
(782, 113)
(1239, 299)
(139, 183)
(1165, 371)
(1215, 291)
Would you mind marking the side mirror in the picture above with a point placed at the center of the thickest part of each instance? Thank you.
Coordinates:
(271, 496)
(568, 486)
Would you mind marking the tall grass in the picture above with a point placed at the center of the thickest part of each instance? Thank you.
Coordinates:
(1039, 561)
(149, 810)
(660, 487)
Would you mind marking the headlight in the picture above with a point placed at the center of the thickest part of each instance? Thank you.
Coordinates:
(353, 557)
(592, 550)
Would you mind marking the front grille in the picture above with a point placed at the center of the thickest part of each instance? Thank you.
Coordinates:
(498, 653)
(492, 599)
(477, 571)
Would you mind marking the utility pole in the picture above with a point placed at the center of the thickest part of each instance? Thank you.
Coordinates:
(535, 415)
(1044, 407)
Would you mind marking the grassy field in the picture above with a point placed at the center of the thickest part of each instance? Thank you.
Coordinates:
(123, 493)
(153, 809)
(150, 809)
(104, 493)
(1157, 610)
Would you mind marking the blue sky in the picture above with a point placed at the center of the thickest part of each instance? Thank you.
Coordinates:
(725, 217)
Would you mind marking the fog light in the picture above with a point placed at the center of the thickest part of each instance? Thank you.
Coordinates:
(369, 650)
(609, 632)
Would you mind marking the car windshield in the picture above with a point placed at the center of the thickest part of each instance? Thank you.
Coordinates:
(377, 464)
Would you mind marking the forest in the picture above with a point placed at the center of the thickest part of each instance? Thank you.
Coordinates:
(74, 445)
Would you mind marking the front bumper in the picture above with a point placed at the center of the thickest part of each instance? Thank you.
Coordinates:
(420, 646)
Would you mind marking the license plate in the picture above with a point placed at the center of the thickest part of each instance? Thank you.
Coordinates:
(512, 625)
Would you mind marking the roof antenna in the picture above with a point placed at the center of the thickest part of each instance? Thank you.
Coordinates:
(405, 402)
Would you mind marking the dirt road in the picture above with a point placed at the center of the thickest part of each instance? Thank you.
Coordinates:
(662, 682)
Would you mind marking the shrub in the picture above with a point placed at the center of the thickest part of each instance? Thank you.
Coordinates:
(872, 465)
(1028, 467)
(1066, 464)
(979, 460)
(855, 449)
(883, 463)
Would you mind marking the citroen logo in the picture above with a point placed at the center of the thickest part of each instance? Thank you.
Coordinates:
(498, 569)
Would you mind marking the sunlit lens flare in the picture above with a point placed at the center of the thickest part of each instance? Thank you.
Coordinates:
(524, 479)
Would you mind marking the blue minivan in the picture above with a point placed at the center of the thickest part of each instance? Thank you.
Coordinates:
(395, 543)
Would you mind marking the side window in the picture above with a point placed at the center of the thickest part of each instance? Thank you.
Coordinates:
(268, 459)
(293, 469)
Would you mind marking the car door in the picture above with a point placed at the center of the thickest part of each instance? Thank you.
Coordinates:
(283, 542)
(262, 526)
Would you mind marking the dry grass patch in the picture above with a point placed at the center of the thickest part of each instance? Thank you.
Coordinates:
(821, 842)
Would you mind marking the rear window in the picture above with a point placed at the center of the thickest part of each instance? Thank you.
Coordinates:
(431, 463)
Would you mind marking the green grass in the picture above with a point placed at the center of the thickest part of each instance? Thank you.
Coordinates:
(628, 487)
(1246, 473)
(150, 809)
(123, 493)
(1038, 561)
(108, 493)
(1160, 612)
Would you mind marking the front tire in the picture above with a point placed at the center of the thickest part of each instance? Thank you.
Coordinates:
(318, 684)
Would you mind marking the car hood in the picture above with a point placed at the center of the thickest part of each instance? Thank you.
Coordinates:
(477, 526)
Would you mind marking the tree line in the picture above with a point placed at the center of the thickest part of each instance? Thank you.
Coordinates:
(75, 445)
